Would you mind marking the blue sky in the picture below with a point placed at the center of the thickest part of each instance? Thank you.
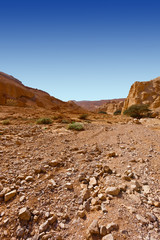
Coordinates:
(80, 49)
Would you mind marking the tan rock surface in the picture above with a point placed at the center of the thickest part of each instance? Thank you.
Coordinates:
(144, 93)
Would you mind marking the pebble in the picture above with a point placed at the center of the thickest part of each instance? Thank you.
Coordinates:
(43, 227)
(9, 195)
(81, 213)
(114, 191)
(94, 227)
(111, 227)
(141, 219)
(24, 214)
(29, 179)
(108, 237)
(69, 186)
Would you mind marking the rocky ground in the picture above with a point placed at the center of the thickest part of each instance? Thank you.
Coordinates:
(101, 183)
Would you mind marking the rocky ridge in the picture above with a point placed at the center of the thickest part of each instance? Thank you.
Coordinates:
(14, 93)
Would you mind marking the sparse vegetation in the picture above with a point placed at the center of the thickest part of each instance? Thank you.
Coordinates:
(138, 111)
(44, 121)
(117, 112)
(83, 116)
(102, 112)
(76, 126)
(6, 122)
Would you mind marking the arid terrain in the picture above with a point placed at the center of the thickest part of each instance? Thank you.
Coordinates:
(101, 183)
(101, 104)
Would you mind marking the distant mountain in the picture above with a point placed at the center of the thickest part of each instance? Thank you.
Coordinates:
(98, 105)
(14, 93)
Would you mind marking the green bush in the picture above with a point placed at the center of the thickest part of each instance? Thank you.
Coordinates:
(138, 111)
(102, 112)
(6, 122)
(117, 112)
(44, 121)
(83, 116)
(76, 126)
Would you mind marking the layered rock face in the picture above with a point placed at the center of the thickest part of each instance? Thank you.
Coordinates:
(144, 93)
(102, 105)
(112, 106)
(14, 93)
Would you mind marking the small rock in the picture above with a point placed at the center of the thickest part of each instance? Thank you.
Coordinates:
(53, 163)
(146, 189)
(22, 199)
(9, 195)
(151, 217)
(107, 169)
(111, 154)
(4, 191)
(141, 219)
(1, 187)
(135, 186)
(93, 181)
(111, 227)
(101, 197)
(81, 214)
(62, 225)
(114, 191)
(29, 179)
(20, 231)
(94, 228)
(85, 194)
(103, 230)
(82, 177)
(95, 201)
(103, 207)
(157, 204)
(24, 214)
(43, 227)
(52, 219)
(108, 237)
(40, 169)
(69, 186)
(52, 183)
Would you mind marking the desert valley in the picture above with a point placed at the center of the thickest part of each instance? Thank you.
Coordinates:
(79, 170)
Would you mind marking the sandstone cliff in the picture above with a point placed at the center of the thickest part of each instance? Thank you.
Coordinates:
(144, 93)
(14, 93)
(112, 106)
(99, 105)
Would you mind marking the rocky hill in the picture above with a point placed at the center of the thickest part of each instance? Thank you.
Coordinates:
(14, 93)
(144, 93)
(96, 105)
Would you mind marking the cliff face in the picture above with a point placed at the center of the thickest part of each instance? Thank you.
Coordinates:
(112, 106)
(144, 93)
(14, 93)
(101, 104)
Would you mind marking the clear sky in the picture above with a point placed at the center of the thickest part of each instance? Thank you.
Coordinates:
(80, 49)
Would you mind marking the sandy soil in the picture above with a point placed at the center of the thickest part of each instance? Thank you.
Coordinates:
(62, 177)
